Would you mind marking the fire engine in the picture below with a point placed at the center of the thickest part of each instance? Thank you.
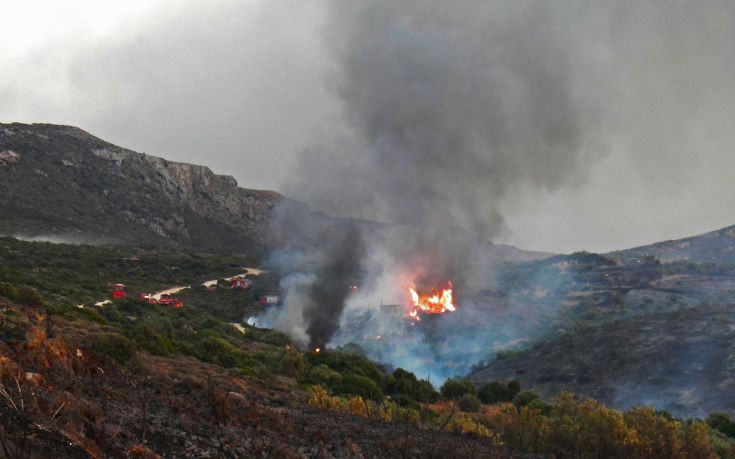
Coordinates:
(118, 291)
(240, 283)
(269, 300)
(167, 300)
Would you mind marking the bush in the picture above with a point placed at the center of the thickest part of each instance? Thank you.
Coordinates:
(454, 389)
(292, 364)
(132, 306)
(513, 387)
(323, 375)
(360, 385)
(347, 364)
(145, 336)
(403, 382)
(425, 392)
(540, 406)
(23, 294)
(405, 401)
(497, 392)
(493, 392)
(90, 314)
(116, 346)
(525, 397)
(469, 403)
(220, 351)
(585, 428)
(723, 445)
(722, 422)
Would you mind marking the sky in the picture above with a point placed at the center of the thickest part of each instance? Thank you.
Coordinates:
(246, 87)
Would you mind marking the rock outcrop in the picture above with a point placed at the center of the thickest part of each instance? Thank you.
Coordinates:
(61, 182)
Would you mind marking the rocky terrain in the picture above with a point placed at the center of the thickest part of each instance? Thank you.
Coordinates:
(61, 182)
(627, 331)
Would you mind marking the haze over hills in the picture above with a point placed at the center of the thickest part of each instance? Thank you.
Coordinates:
(629, 328)
(62, 184)
(645, 326)
(680, 361)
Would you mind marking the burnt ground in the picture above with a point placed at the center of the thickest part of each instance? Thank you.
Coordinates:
(681, 361)
(65, 399)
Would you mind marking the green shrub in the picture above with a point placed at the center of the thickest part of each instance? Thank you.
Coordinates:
(540, 406)
(8, 291)
(525, 397)
(497, 392)
(723, 445)
(266, 336)
(347, 364)
(493, 392)
(722, 422)
(454, 389)
(322, 374)
(514, 387)
(113, 345)
(405, 401)
(403, 382)
(469, 403)
(360, 385)
(219, 351)
(292, 364)
(89, 314)
(25, 295)
(146, 337)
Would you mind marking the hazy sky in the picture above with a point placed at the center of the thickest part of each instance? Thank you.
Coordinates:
(245, 87)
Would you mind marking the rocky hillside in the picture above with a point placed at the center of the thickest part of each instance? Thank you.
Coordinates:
(61, 182)
(681, 361)
(625, 331)
(713, 247)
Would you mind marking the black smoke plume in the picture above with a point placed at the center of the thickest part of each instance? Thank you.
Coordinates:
(336, 277)
(453, 106)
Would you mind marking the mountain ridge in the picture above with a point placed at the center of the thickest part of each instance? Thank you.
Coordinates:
(717, 246)
(96, 192)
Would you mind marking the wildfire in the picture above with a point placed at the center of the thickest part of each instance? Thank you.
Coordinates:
(434, 302)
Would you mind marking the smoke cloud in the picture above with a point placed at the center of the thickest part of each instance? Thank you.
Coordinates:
(452, 107)
(457, 110)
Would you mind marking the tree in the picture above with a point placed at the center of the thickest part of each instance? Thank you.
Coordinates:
(492, 392)
(722, 422)
(405, 383)
(362, 386)
(525, 397)
(455, 388)
(469, 403)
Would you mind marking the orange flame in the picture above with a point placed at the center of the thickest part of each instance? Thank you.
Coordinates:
(430, 303)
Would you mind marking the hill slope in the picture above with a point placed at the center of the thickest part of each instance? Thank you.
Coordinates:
(681, 361)
(713, 247)
(62, 182)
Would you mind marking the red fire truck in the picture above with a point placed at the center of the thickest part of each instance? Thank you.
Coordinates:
(118, 291)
